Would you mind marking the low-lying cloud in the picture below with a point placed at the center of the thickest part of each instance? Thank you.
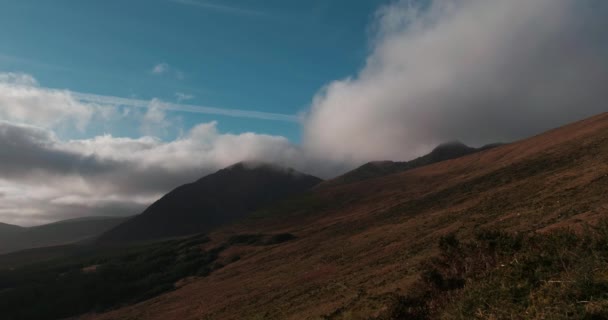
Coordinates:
(476, 70)
(45, 177)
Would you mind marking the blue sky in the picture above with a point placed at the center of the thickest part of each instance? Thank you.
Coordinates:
(269, 56)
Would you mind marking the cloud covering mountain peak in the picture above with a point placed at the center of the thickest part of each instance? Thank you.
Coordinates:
(474, 70)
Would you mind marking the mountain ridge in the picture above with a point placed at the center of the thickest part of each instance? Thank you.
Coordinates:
(226, 195)
(359, 244)
(6, 228)
(442, 152)
(56, 233)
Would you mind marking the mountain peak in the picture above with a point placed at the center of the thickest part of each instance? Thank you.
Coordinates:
(445, 151)
(216, 199)
(253, 165)
(450, 145)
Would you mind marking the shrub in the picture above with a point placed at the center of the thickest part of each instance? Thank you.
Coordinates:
(510, 276)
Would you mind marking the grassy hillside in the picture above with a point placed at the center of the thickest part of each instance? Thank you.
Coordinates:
(497, 275)
(516, 231)
(362, 248)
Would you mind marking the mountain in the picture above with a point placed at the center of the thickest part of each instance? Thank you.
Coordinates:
(9, 229)
(14, 238)
(360, 250)
(515, 231)
(214, 200)
(443, 152)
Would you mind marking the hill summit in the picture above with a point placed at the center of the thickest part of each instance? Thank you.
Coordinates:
(213, 200)
(445, 151)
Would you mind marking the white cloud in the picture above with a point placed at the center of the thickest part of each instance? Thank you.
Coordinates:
(160, 68)
(22, 100)
(180, 96)
(138, 103)
(44, 178)
(19, 79)
(165, 69)
(155, 121)
(475, 70)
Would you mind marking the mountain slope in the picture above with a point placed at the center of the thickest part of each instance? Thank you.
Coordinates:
(9, 229)
(443, 152)
(216, 199)
(58, 233)
(357, 245)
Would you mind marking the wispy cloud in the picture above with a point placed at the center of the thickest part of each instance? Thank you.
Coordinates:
(180, 96)
(138, 103)
(228, 9)
(160, 68)
(164, 68)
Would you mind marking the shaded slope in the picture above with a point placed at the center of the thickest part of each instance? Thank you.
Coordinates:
(9, 229)
(216, 199)
(58, 233)
(443, 152)
(358, 242)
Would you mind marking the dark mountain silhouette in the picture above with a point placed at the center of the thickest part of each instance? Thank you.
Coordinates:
(216, 199)
(443, 152)
(14, 238)
(8, 229)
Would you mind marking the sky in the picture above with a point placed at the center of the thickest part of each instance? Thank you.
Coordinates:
(269, 56)
(107, 105)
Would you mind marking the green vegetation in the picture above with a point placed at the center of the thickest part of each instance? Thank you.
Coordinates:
(559, 275)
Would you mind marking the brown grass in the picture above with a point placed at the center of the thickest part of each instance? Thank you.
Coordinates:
(366, 240)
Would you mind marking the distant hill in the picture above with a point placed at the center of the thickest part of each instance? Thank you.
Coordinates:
(216, 199)
(480, 236)
(14, 238)
(443, 152)
(7, 229)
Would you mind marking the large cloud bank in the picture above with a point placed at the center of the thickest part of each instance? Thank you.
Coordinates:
(476, 70)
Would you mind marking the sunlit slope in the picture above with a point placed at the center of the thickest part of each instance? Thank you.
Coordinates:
(358, 242)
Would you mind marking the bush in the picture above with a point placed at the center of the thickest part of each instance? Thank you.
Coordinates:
(510, 276)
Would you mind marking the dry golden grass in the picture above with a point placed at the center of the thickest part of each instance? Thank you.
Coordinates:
(358, 243)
